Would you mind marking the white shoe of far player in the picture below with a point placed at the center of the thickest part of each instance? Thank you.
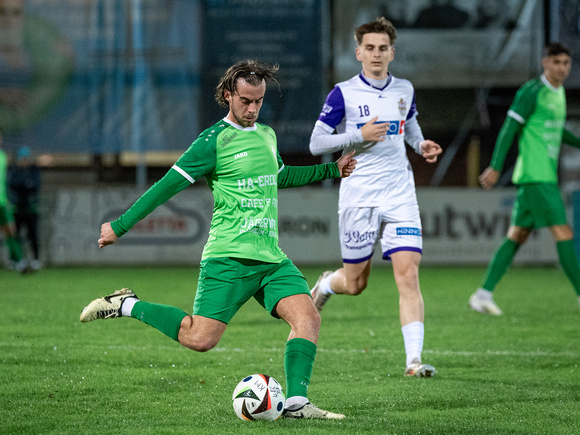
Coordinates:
(482, 302)
(318, 297)
(420, 370)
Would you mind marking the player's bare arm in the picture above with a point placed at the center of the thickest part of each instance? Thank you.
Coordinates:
(346, 164)
(108, 236)
(374, 132)
(488, 178)
(430, 150)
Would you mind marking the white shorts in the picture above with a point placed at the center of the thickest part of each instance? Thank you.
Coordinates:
(361, 228)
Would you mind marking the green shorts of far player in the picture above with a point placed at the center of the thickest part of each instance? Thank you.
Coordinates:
(6, 215)
(225, 284)
(538, 206)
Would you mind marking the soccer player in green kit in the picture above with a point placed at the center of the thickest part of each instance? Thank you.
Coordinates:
(537, 115)
(7, 218)
(241, 259)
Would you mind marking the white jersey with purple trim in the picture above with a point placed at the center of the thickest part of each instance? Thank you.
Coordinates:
(383, 176)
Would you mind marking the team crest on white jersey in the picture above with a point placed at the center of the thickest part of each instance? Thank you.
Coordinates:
(402, 107)
(326, 109)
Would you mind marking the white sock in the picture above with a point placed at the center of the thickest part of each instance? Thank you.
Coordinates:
(484, 294)
(325, 288)
(295, 402)
(413, 334)
(127, 306)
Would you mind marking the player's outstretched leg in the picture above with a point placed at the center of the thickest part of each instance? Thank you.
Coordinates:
(482, 302)
(318, 297)
(420, 370)
(310, 411)
(107, 307)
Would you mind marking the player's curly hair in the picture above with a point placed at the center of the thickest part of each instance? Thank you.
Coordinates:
(380, 25)
(252, 71)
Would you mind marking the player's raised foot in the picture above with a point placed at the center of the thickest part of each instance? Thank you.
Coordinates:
(482, 302)
(319, 298)
(420, 370)
(107, 307)
(311, 411)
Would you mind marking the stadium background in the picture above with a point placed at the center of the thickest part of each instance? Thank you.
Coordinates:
(109, 93)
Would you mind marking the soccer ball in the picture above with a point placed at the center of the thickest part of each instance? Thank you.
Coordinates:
(258, 397)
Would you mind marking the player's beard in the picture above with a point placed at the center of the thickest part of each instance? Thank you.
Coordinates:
(243, 121)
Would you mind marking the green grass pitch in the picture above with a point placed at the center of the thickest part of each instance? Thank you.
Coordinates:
(515, 374)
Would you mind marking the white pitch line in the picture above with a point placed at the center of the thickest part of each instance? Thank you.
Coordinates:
(488, 352)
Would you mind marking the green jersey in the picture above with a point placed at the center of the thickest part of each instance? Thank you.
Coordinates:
(244, 167)
(541, 111)
(244, 171)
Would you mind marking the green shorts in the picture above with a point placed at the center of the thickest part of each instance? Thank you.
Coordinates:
(225, 284)
(538, 205)
(5, 215)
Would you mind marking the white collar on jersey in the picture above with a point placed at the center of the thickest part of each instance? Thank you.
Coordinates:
(548, 84)
(239, 127)
(376, 84)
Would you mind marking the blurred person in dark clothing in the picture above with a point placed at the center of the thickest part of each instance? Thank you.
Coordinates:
(24, 194)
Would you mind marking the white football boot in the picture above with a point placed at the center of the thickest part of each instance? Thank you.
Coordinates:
(107, 307)
(420, 370)
(310, 411)
(318, 297)
(482, 302)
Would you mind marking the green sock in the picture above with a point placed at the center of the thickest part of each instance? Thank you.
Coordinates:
(14, 249)
(501, 260)
(569, 262)
(164, 318)
(298, 362)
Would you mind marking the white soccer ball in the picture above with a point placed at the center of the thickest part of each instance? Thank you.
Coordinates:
(258, 397)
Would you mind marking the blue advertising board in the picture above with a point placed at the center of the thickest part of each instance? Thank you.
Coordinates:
(102, 76)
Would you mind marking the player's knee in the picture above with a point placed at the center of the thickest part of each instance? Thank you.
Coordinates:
(408, 281)
(309, 327)
(197, 343)
(355, 288)
(202, 345)
(518, 235)
(309, 319)
(315, 320)
(407, 278)
(520, 239)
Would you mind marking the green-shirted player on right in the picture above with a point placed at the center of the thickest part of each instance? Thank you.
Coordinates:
(537, 115)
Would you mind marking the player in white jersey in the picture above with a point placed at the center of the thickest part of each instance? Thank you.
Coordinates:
(374, 113)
